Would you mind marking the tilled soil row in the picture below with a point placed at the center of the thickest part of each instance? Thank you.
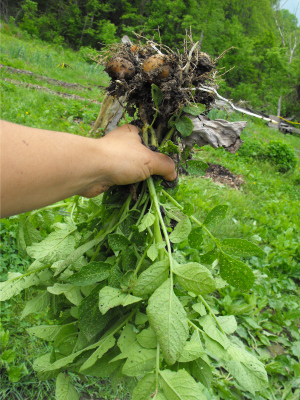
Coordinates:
(55, 92)
(45, 78)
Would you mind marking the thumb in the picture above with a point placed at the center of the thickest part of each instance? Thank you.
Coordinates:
(163, 166)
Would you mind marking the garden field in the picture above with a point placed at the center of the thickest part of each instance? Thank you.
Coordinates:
(63, 93)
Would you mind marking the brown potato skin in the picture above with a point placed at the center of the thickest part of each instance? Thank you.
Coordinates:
(156, 67)
(120, 68)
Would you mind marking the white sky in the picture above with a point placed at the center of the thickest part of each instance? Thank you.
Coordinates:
(291, 5)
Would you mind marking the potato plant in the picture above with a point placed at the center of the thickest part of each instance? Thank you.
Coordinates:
(127, 277)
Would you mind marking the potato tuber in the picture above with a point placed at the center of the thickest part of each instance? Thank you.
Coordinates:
(156, 67)
(120, 68)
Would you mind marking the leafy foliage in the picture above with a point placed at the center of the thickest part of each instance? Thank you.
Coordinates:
(281, 155)
(95, 303)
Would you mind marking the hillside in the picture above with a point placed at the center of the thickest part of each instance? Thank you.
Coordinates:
(51, 87)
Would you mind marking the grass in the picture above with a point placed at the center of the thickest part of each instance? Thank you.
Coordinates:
(265, 211)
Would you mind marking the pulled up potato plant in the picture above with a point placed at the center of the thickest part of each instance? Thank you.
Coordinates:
(127, 277)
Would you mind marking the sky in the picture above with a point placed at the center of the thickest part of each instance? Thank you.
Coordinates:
(291, 5)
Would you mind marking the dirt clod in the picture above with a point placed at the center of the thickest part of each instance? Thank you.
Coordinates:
(222, 175)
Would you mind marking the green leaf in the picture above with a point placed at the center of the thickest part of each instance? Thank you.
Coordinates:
(209, 257)
(241, 247)
(199, 308)
(128, 259)
(65, 333)
(140, 318)
(216, 215)
(104, 345)
(128, 281)
(247, 370)
(57, 246)
(103, 367)
(92, 273)
(46, 332)
(63, 362)
(147, 338)
(188, 209)
(145, 388)
(228, 323)
(181, 231)
(146, 222)
(127, 338)
(71, 292)
(151, 278)
(139, 362)
(63, 389)
(152, 252)
(15, 284)
(296, 349)
(184, 126)
(8, 356)
(169, 148)
(214, 347)
(118, 242)
(159, 396)
(91, 321)
(112, 297)
(196, 238)
(211, 330)
(194, 109)
(196, 167)
(193, 349)
(27, 235)
(202, 372)
(157, 95)
(14, 373)
(38, 304)
(168, 319)
(4, 338)
(180, 386)
(195, 278)
(236, 273)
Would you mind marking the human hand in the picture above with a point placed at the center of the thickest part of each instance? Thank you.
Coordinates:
(125, 160)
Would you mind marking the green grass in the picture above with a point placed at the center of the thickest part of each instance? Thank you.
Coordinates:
(265, 211)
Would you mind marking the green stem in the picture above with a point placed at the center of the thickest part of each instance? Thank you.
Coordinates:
(154, 199)
(154, 118)
(145, 134)
(171, 131)
(195, 326)
(168, 136)
(112, 226)
(142, 258)
(193, 219)
(158, 237)
(31, 272)
(57, 205)
(211, 313)
(157, 368)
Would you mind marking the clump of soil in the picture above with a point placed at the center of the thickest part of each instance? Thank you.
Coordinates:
(222, 175)
(134, 68)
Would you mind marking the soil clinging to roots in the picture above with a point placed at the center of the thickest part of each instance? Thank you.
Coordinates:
(134, 68)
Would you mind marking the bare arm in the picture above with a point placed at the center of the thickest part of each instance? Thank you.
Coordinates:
(40, 167)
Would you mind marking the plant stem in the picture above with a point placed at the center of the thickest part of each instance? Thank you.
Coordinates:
(193, 219)
(211, 313)
(157, 368)
(195, 326)
(142, 258)
(171, 131)
(154, 199)
(168, 136)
